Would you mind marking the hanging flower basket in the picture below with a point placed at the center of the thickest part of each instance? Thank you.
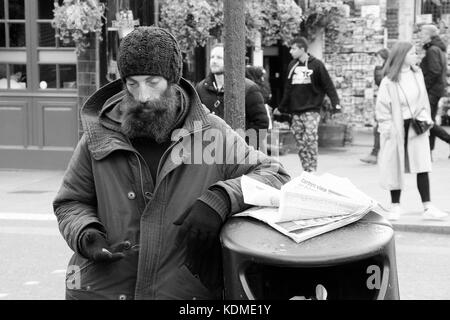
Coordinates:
(74, 20)
(328, 17)
(281, 20)
(189, 21)
(193, 21)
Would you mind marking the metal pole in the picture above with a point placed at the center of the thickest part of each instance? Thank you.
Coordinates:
(234, 64)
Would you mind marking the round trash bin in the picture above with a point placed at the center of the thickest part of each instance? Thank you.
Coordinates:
(356, 262)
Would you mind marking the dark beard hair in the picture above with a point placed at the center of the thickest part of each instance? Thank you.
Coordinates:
(153, 119)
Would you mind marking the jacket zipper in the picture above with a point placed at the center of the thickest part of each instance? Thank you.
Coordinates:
(141, 178)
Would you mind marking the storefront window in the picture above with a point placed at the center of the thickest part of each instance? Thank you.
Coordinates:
(67, 76)
(57, 76)
(2, 9)
(56, 66)
(436, 8)
(16, 9)
(45, 9)
(13, 76)
(47, 76)
(46, 35)
(12, 24)
(17, 35)
(2, 35)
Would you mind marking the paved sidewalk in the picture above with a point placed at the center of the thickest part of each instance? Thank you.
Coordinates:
(28, 194)
(346, 162)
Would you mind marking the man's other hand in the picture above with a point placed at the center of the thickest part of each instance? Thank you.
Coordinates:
(93, 246)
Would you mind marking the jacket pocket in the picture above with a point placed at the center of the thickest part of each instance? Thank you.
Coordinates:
(86, 279)
(183, 285)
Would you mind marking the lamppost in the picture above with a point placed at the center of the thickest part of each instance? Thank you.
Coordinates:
(234, 64)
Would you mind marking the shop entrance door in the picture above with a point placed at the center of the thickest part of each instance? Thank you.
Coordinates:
(38, 95)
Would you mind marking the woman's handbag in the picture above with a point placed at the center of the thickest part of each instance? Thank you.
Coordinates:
(419, 126)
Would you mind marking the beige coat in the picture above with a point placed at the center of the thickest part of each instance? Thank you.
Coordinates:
(393, 160)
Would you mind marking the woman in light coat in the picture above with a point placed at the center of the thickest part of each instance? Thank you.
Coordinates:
(401, 97)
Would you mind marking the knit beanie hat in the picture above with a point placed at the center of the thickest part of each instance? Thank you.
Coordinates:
(150, 51)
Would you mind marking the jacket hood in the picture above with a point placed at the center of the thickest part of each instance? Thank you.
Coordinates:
(103, 137)
(438, 42)
(311, 58)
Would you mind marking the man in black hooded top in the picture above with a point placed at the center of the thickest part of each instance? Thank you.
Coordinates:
(307, 84)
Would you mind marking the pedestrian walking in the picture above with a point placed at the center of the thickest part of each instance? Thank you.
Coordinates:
(402, 101)
(306, 85)
(211, 91)
(143, 220)
(381, 56)
(434, 68)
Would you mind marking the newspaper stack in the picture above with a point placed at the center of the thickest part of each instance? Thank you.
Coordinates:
(306, 206)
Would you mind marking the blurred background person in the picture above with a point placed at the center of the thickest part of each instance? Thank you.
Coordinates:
(211, 92)
(434, 68)
(381, 57)
(403, 97)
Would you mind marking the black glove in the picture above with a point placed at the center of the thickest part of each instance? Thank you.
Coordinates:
(93, 246)
(199, 230)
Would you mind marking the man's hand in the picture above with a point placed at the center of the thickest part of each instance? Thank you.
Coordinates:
(93, 246)
(199, 230)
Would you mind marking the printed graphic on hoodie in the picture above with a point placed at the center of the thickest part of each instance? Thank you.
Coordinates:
(302, 75)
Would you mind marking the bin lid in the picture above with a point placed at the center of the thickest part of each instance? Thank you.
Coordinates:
(365, 238)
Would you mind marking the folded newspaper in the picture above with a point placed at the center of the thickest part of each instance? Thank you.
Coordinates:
(307, 206)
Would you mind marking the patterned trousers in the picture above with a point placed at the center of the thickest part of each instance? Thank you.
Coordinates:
(305, 129)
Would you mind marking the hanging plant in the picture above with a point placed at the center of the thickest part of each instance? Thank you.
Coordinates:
(270, 25)
(193, 22)
(328, 17)
(282, 20)
(216, 29)
(75, 19)
(189, 21)
(253, 19)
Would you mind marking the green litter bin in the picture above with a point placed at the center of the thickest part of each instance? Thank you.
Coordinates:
(355, 262)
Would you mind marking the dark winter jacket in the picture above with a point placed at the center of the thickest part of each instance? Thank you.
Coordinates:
(108, 185)
(434, 67)
(255, 112)
(306, 86)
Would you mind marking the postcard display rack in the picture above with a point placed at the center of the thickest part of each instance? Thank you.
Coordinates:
(351, 62)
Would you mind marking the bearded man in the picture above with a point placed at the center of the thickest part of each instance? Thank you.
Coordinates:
(212, 93)
(141, 224)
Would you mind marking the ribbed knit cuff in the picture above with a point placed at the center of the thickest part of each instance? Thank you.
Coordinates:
(218, 200)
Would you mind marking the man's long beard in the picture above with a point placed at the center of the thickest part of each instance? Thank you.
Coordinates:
(154, 119)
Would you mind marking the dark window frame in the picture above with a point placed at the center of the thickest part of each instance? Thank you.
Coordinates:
(32, 50)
